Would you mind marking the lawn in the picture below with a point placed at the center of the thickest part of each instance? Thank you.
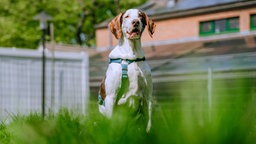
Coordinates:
(185, 118)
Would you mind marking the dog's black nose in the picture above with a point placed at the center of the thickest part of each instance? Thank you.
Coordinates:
(135, 22)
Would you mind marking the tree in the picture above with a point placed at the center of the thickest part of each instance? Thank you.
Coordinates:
(73, 20)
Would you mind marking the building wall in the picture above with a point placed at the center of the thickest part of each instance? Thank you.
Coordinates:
(102, 37)
(180, 28)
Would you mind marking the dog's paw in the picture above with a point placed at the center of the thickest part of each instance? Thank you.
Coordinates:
(121, 101)
(102, 110)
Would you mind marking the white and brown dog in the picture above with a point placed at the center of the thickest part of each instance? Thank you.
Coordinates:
(128, 77)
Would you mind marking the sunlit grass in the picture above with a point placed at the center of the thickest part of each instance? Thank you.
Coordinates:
(185, 118)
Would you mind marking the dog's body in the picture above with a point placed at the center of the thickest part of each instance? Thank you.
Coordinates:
(128, 27)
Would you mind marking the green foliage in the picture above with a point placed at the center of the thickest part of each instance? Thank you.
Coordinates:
(18, 29)
(4, 134)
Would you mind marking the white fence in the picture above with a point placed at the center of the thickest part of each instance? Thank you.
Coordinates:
(66, 81)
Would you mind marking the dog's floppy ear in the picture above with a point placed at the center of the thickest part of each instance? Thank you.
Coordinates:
(147, 21)
(151, 26)
(115, 26)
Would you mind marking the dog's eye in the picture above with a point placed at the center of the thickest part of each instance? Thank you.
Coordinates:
(127, 16)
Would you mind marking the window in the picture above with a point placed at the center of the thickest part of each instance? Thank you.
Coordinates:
(234, 23)
(207, 27)
(253, 22)
(220, 26)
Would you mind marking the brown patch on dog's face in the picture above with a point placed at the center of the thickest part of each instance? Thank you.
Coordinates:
(142, 17)
(148, 22)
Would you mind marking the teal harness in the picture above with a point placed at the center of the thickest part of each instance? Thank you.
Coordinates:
(125, 65)
(124, 75)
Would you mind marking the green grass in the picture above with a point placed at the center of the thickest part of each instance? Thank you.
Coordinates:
(186, 118)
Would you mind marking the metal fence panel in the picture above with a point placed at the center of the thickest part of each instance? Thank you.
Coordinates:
(67, 84)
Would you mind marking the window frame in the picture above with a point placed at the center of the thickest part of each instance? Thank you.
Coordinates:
(213, 25)
(212, 28)
(228, 25)
(252, 26)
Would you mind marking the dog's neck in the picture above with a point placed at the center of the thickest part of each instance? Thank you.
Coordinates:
(127, 49)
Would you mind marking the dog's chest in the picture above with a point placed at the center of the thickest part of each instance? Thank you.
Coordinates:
(137, 75)
(137, 71)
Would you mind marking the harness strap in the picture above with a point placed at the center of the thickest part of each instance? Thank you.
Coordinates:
(124, 80)
(119, 60)
(125, 65)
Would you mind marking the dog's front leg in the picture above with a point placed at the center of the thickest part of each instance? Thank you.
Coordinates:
(107, 108)
(150, 102)
(112, 83)
(109, 104)
(149, 116)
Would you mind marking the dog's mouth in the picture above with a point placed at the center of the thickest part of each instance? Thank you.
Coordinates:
(133, 34)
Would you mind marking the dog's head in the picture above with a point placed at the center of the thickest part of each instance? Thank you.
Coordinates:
(131, 24)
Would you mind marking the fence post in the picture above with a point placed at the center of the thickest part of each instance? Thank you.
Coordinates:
(85, 82)
(43, 72)
(53, 81)
(209, 86)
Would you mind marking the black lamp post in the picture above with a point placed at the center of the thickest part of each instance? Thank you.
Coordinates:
(43, 18)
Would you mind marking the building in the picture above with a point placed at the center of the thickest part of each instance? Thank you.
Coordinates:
(193, 41)
(190, 20)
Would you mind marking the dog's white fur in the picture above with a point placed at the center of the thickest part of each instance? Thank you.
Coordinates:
(139, 74)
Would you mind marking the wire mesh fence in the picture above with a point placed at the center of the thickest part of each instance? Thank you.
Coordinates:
(66, 81)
